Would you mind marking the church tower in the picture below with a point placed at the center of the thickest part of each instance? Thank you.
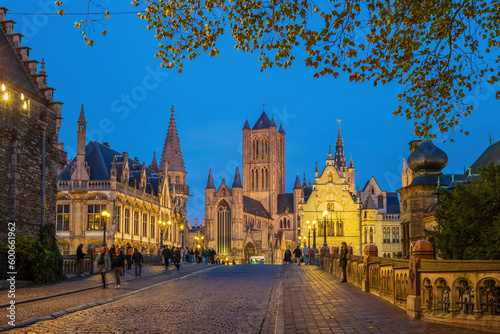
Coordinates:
(80, 170)
(264, 161)
(347, 172)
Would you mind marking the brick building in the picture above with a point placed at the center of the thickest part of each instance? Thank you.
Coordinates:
(29, 130)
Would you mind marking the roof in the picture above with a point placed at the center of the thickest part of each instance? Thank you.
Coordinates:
(491, 154)
(11, 68)
(281, 130)
(99, 159)
(237, 179)
(297, 184)
(285, 201)
(246, 126)
(254, 207)
(392, 203)
(263, 122)
(172, 148)
(210, 182)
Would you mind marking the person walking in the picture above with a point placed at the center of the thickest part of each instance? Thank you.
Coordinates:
(298, 254)
(288, 256)
(138, 260)
(343, 262)
(177, 258)
(80, 259)
(206, 254)
(112, 251)
(103, 264)
(306, 251)
(166, 256)
(124, 258)
(117, 264)
(191, 256)
(130, 251)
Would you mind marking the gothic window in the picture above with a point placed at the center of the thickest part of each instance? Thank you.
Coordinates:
(127, 220)
(288, 223)
(371, 235)
(253, 178)
(366, 214)
(145, 225)
(153, 227)
(267, 179)
(256, 179)
(395, 235)
(380, 201)
(366, 235)
(263, 178)
(341, 229)
(255, 149)
(176, 180)
(223, 228)
(94, 221)
(330, 177)
(118, 219)
(62, 218)
(263, 152)
(281, 223)
(384, 235)
(136, 223)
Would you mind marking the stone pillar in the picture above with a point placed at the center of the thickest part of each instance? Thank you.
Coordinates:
(369, 252)
(323, 251)
(420, 249)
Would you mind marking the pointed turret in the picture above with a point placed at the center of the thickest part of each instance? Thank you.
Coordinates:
(339, 151)
(297, 183)
(154, 164)
(237, 179)
(351, 164)
(281, 130)
(316, 173)
(210, 182)
(329, 158)
(273, 124)
(246, 126)
(172, 148)
(223, 183)
(80, 172)
(304, 182)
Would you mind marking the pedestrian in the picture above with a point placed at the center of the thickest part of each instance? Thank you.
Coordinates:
(306, 251)
(130, 251)
(103, 264)
(298, 254)
(343, 262)
(288, 256)
(191, 256)
(80, 260)
(183, 254)
(166, 256)
(177, 258)
(124, 257)
(212, 256)
(206, 254)
(172, 250)
(117, 264)
(112, 251)
(138, 260)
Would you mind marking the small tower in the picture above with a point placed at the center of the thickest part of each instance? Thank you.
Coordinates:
(407, 175)
(350, 177)
(80, 169)
(154, 164)
(340, 163)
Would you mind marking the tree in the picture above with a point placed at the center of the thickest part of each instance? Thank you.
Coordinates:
(438, 50)
(468, 219)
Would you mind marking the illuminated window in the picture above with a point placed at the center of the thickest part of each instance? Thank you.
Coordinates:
(136, 223)
(380, 201)
(62, 218)
(153, 227)
(118, 218)
(145, 225)
(127, 221)
(371, 235)
(94, 219)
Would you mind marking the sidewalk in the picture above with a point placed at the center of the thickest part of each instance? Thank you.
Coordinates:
(77, 284)
(316, 302)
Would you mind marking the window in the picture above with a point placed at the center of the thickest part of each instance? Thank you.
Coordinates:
(371, 235)
(341, 229)
(145, 225)
(94, 221)
(63, 217)
(380, 201)
(366, 235)
(330, 177)
(366, 214)
(253, 178)
(288, 223)
(395, 235)
(176, 180)
(118, 218)
(136, 223)
(281, 223)
(152, 227)
(255, 149)
(127, 220)
(263, 178)
(386, 235)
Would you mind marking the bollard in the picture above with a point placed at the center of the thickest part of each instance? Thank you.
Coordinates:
(421, 249)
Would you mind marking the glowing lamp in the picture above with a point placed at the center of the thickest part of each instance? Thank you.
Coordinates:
(3, 87)
(6, 96)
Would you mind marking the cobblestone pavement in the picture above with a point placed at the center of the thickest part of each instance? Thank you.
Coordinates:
(47, 307)
(227, 299)
(316, 302)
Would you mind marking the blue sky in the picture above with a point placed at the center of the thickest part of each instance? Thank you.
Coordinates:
(127, 99)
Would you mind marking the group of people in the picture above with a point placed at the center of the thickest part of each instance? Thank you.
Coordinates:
(116, 260)
(178, 255)
(306, 251)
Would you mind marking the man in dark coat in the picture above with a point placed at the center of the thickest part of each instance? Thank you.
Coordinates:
(166, 256)
(298, 254)
(343, 262)
(80, 259)
(138, 259)
(177, 258)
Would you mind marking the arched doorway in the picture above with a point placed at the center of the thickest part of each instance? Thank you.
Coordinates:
(249, 251)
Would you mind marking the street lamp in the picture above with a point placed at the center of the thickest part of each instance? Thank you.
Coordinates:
(105, 215)
(309, 236)
(314, 234)
(324, 227)
(169, 230)
(162, 229)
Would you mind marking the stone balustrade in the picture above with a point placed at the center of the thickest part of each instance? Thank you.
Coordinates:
(83, 185)
(390, 216)
(458, 292)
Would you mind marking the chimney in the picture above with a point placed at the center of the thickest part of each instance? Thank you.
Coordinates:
(196, 222)
(106, 144)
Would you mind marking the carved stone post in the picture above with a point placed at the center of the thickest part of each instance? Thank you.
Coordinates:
(369, 252)
(323, 251)
(420, 249)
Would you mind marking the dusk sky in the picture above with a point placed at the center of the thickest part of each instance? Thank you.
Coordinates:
(214, 96)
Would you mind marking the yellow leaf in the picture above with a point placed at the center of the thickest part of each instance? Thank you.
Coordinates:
(61, 12)
(106, 14)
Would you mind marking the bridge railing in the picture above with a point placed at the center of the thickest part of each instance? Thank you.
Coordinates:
(463, 292)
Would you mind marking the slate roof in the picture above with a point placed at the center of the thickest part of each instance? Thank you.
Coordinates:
(246, 126)
(285, 201)
(392, 203)
(237, 179)
(491, 154)
(11, 68)
(99, 159)
(263, 122)
(281, 130)
(254, 207)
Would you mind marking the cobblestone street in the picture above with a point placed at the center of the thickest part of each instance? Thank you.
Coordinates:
(227, 299)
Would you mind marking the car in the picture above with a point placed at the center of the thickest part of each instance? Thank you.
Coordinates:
(257, 260)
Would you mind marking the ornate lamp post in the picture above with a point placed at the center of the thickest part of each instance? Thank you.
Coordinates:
(314, 234)
(105, 216)
(324, 250)
(162, 230)
(169, 223)
(324, 227)
(309, 235)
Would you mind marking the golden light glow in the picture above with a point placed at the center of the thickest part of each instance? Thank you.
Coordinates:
(169, 222)
(314, 222)
(202, 238)
(307, 222)
(199, 246)
(325, 213)
(22, 96)
(25, 105)
(309, 226)
(6, 96)
(105, 213)
(3, 87)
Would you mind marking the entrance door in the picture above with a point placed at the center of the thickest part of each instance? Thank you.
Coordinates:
(249, 251)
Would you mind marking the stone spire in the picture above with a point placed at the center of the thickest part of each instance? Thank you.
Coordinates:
(154, 164)
(80, 171)
(281, 130)
(42, 67)
(210, 182)
(297, 183)
(246, 126)
(329, 158)
(172, 148)
(351, 164)
(273, 124)
(339, 151)
(237, 179)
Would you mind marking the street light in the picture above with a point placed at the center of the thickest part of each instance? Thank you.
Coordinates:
(309, 229)
(324, 227)
(169, 230)
(162, 229)
(314, 234)
(105, 215)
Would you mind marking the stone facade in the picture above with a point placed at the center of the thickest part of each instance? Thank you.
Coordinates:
(29, 132)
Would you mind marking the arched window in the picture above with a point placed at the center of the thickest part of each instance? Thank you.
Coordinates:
(395, 235)
(267, 179)
(176, 180)
(373, 191)
(253, 178)
(341, 229)
(380, 201)
(366, 213)
(281, 223)
(371, 235)
(223, 228)
(288, 223)
(330, 177)
(263, 178)
(255, 149)
(256, 179)
(366, 235)
(384, 235)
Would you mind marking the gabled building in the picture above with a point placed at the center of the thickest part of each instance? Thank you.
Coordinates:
(30, 120)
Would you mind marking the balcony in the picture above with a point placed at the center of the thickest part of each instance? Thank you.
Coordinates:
(390, 216)
(83, 185)
(181, 188)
